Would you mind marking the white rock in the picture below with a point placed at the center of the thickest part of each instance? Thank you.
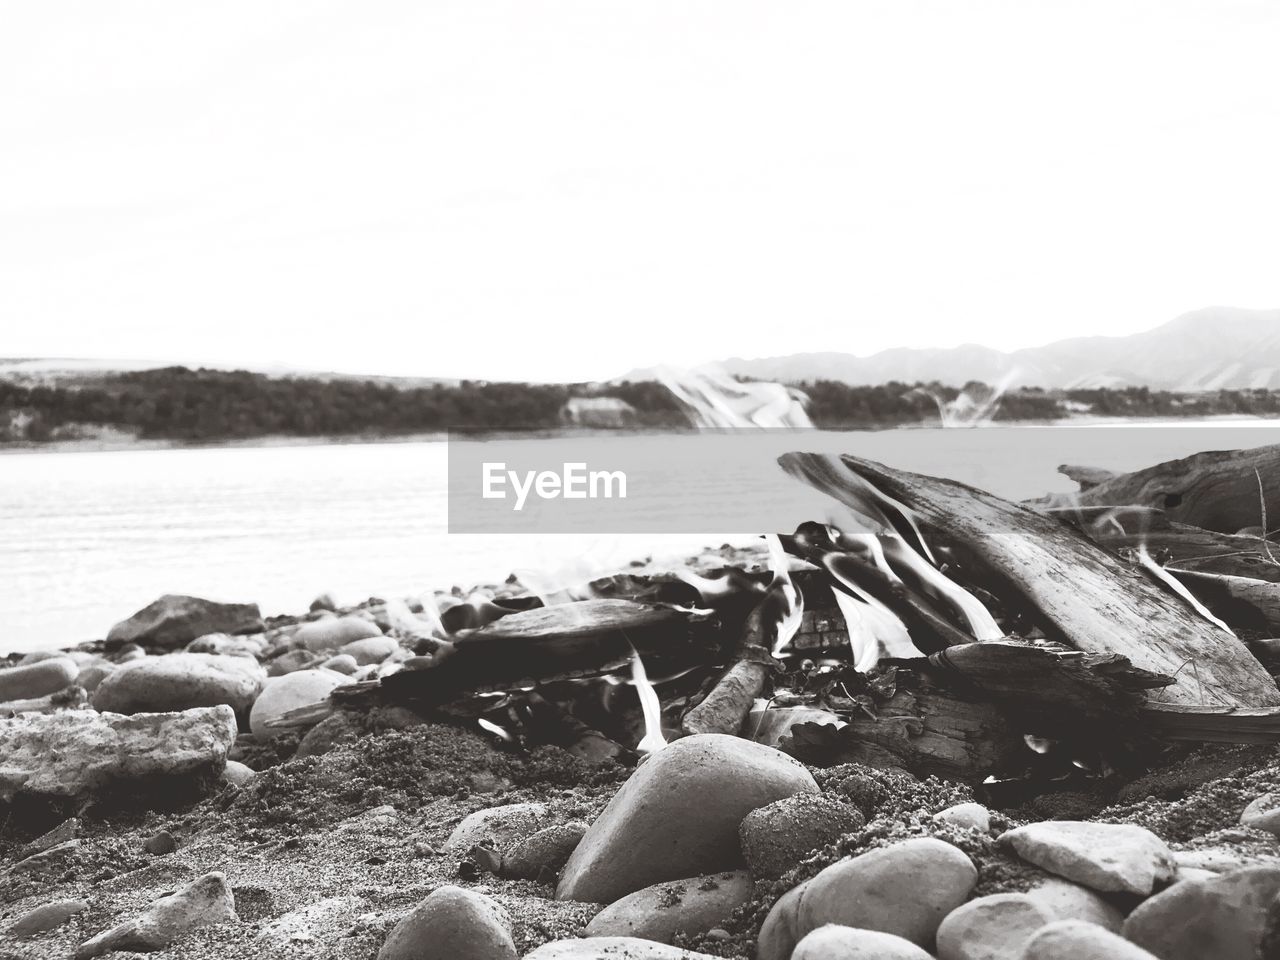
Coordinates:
(342, 663)
(660, 912)
(613, 948)
(451, 923)
(991, 928)
(1110, 857)
(238, 774)
(37, 679)
(973, 816)
(73, 753)
(1078, 940)
(1070, 901)
(905, 889)
(497, 826)
(281, 694)
(314, 925)
(661, 825)
(834, 942)
(202, 902)
(180, 681)
(370, 649)
(323, 636)
(1263, 814)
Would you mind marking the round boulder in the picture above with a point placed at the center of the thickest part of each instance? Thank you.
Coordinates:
(834, 942)
(325, 636)
(1079, 940)
(991, 928)
(663, 825)
(38, 679)
(451, 922)
(180, 681)
(370, 649)
(905, 889)
(1223, 916)
(778, 836)
(294, 690)
(677, 906)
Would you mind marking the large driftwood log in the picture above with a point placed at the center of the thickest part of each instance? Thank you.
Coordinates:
(1084, 595)
(1217, 490)
(1190, 548)
(1087, 477)
(1240, 601)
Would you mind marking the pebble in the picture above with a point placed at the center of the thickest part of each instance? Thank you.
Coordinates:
(323, 636)
(73, 753)
(613, 948)
(58, 856)
(46, 917)
(1078, 940)
(835, 942)
(226, 645)
(1223, 917)
(665, 909)
(544, 852)
(179, 681)
(1219, 860)
(781, 834)
(991, 928)
(204, 901)
(1070, 901)
(282, 694)
(661, 826)
(324, 601)
(37, 679)
(971, 816)
(93, 673)
(174, 621)
(160, 843)
(334, 729)
(238, 774)
(341, 663)
(905, 889)
(292, 661)
(454, 923)
(370, 650)
(496, 826)
(1263, 814)
(1110, 857)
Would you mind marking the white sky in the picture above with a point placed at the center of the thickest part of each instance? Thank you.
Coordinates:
(567, 190)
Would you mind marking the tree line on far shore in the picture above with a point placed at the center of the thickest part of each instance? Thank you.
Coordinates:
(177, 403)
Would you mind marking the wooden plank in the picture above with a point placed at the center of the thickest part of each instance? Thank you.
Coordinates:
(1083, 595)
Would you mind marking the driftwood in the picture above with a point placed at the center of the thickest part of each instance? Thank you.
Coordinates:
(1241, 601)
(1087, 477)
(965, 712)
(1082, 594)
(582, 639)
(1219, 490)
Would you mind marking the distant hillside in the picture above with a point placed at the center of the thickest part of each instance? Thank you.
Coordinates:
(1212, 349)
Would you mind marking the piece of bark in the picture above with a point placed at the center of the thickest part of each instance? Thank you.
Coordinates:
(1087, 477)
(1210, 725)
(1217, 490)
(725, 708)
(1082, 594)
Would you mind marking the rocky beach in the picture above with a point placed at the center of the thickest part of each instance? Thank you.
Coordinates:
(726, 759)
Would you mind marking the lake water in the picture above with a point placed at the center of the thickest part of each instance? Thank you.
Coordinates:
(87, 538)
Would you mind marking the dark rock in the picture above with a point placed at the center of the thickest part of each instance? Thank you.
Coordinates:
(778, 836)
(46, 917)
(160, 843)
(175, 620)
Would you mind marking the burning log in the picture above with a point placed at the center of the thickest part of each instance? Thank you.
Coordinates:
(1079, 593)
(547, 643)
(965, 712)
(1225, 490)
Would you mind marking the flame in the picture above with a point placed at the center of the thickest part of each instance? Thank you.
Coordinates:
(717, 401)
(725, 583)
(968, 409)
(982, 625)
(653, 739)
(405, 622)
(501, 732)
(785, 594)
(1148, 563)
(875, 631)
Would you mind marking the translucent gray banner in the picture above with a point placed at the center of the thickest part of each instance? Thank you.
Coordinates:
(730, 482)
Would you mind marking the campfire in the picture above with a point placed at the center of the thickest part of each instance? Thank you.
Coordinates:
(926, 625)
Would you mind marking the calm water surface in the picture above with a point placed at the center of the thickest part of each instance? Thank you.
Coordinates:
(88, 538)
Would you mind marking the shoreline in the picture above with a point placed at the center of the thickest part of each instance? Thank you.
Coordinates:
(118, 442)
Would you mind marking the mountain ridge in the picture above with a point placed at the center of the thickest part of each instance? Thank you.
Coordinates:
(1209, 349)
